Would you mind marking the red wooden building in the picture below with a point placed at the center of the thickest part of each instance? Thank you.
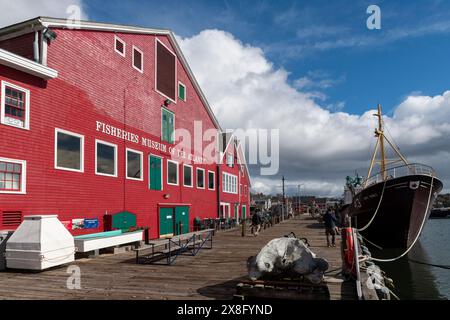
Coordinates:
(234, 180)
(98, 119)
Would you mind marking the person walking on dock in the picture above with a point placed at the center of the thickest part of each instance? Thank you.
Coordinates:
(329, 219)
(256, 223)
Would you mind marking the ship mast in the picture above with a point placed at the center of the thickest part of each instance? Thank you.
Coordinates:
(380, 134)
(381, 138)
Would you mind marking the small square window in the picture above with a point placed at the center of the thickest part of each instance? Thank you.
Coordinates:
(12, 176)
(69, 151)
(181, 91)
(15, 106)
(105, 158)
(119, 46)
(138, 59)
(134, 165)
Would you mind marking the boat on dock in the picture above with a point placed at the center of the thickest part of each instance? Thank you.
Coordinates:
(391, 207)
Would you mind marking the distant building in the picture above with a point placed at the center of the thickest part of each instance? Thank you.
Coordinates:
(263, 204)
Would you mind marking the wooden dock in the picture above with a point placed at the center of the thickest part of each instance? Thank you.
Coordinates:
(212, 274)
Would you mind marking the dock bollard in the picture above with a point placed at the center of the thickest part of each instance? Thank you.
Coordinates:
(146, 235)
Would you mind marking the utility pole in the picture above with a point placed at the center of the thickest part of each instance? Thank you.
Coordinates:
(284, 200)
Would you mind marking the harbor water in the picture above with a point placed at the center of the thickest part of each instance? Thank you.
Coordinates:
(414, 278)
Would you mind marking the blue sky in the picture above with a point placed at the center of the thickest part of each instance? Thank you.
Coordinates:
(326, 41)
(311, 69)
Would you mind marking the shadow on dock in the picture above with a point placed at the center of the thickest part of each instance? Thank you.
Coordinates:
(315, 226)
(221, 291)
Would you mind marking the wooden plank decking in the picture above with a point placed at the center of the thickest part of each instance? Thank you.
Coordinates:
(212, 274)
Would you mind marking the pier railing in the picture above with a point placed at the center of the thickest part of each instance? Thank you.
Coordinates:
(400, 171)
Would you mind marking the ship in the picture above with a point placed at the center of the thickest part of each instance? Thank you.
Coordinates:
(390, 208)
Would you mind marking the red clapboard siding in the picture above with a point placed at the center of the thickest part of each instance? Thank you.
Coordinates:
(95, 83)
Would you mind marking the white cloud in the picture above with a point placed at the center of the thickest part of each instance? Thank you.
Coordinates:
(21, 10)
(318, 147)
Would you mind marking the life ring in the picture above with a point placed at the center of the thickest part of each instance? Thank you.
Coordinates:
(348, 250)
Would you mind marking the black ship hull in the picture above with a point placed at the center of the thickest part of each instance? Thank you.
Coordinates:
(391, 213)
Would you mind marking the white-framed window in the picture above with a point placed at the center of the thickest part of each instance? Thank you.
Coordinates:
(200, 178)
(120, 46)
(230, 160)
(138, 59)
(105, 158)
(69, 151)
(188, 176)
(15, 106)
(229, 183)
(13, 176)
(134, 165)
(181, 91)
(172, 173)
(211, 180)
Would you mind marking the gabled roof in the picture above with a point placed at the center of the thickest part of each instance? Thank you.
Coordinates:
(226, 140)
(40, 23)
(25, 65)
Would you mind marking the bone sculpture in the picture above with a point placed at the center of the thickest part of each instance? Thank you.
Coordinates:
(283, 255)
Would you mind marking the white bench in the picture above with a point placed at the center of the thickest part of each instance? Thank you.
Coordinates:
(97, 243)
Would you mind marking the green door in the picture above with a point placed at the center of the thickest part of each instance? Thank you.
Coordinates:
(244, 212)
(165, 222)
(155, 175)
(181, 220)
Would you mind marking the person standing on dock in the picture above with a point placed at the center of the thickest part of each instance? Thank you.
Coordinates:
(329, 219)
(256, 223)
